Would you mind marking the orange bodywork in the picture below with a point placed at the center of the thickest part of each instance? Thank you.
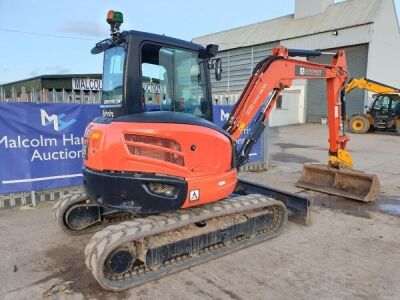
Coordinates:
(200, 155)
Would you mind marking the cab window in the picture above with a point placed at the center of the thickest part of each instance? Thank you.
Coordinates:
(113, 68)
(173, 80)
(395, 106)
(382, 102)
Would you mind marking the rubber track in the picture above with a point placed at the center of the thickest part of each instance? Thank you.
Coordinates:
(104, 242)
(61, 206)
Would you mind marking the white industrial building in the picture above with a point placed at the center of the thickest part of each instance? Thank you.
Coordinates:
(367, 29)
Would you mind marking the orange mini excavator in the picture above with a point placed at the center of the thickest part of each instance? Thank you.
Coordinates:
(156, 152)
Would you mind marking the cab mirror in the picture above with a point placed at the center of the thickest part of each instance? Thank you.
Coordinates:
(102, 46)
(218, 69)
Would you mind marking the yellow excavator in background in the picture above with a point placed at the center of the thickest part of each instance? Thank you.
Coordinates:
(383, 114)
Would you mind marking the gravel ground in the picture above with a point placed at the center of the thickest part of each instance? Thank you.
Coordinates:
(351, 250)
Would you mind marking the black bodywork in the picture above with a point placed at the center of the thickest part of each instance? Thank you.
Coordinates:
(130, 192)
(116, 191)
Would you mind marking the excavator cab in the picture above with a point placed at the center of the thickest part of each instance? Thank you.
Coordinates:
(150, 150)
(385, 110)
(144, 72)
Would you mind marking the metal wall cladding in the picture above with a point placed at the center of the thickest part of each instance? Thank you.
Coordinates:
(341, 15)
(357, 59)
(344, 37)
(238, 65)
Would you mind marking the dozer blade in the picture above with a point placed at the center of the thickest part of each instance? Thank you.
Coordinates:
(347, 183)
(298, 207)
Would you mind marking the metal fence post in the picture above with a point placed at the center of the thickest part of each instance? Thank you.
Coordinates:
(33, 198)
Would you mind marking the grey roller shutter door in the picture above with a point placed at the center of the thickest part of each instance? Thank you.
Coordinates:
(237, 66)
(357, 58)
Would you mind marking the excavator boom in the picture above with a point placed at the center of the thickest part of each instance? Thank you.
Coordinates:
(270, 77)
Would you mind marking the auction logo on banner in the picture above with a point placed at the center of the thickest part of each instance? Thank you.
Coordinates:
(43, 141)
(56, 120)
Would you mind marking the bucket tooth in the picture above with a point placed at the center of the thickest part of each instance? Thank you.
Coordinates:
(346, 183)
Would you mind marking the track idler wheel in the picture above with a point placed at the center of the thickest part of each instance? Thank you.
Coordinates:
(83, 215)
(120, 261)
(75, 214)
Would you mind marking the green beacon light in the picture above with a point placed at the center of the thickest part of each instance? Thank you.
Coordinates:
(115, 19)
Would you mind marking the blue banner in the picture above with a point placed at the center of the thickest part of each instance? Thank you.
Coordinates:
(41, 145)
(221, 115)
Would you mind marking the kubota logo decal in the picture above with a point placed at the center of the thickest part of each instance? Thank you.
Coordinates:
(309, 72)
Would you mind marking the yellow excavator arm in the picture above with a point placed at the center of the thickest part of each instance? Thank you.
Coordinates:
(370, 85)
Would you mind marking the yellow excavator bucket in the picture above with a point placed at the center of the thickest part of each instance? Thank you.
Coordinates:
(343, 182)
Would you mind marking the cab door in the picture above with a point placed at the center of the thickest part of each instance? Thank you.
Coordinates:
(394, 109)
(380, 111)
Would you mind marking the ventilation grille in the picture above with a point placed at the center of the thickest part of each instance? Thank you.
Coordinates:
(142, 145)
(152, 140)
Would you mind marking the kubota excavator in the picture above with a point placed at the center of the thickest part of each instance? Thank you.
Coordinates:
(383, 114)
(171, 162)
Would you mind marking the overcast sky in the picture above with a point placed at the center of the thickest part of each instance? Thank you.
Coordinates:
(79, 24)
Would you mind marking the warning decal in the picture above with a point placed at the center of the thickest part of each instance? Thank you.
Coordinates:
(194, 195)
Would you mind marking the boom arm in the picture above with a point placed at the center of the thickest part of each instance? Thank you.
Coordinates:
(270, 77)
(370, 85)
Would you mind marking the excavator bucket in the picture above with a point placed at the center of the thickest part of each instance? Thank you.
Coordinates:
(347, 183)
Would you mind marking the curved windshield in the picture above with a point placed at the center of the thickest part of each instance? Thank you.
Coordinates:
(113, 69)
(173, 80)
(382, 102)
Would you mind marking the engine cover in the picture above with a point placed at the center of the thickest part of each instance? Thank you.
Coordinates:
(178, 145)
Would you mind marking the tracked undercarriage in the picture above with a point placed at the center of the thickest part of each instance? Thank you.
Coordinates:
(142, 249)
(76, 214)
(130, 253)
(134, 252)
